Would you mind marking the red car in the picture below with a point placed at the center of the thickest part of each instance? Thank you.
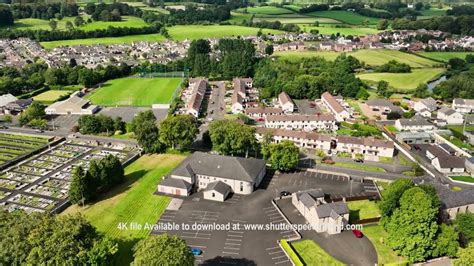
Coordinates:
(357, 233)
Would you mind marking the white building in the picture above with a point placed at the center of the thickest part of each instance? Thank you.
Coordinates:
(217, 191)
(74, 105)
(304, 122)
(443, 161)
(302, 139)
(322, 216)
(262, 112)
(200, 169)
(416, 123)
(370, 147)
(428, 104)
(199, 87)
(285, 102)
(450, 116)
(464, 106)
(242, 88)
(335, 107)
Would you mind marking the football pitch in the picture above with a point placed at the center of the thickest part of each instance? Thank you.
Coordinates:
(134, 91)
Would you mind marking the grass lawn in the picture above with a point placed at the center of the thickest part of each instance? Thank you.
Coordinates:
(433, 12)
(378, 236)
(362, 209)
(462, 178)
(359, 31)
(445, 56)
(312, 254)
(131, 202)
(51, 95)
(359, 166)
(404, 82)
(266, 10)
(295, 55)
(182, 32)
(135, 91)
(127, 21)
(459, 143)
(106, 40)
(345, 17)
(296, 19)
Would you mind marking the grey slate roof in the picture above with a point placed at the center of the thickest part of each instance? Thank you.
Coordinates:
(236, 168)
(333, 209)
(430, 103)
(7, 98)
(447, 111)
(414, 121)
(452, 199)
(218, 186)
(176, 183)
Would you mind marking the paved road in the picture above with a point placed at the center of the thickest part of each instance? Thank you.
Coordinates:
(216, 106)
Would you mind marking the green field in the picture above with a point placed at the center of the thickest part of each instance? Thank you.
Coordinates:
(312, 254)
(106, 40)
(445, 56)
(359, 166)
(265, 10)
(355, 31)
(468, 179)
(133, 201)
(378, 236)
(135, 92)
(362, 209)
(182, 32)
(404, 82)
(433, 12)
(51, 95)
(345, 17)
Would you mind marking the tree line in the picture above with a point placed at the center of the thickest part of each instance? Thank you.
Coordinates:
(393, 66)
(100, 124)
(455, 25)
(109, 12)
(45, 11)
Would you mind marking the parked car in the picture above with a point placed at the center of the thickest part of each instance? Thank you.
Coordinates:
(357, 233)
(358, 160)
(196, 251)
(285, 193)
(416, 147)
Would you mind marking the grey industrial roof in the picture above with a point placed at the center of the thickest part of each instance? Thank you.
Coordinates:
(330, 209)
(175, 182)
(236, 168)
(218, 186)
(408, 134)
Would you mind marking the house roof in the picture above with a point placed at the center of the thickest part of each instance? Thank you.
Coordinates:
(333, 209)
(7, 98)
(463, 101)
(236, 168)
(319, 117)
(450, 161)
(452, 199)
(408, 134)
(284, 98)
(446, 110)
(335, 105)
(368, 141)
(263, 110)
(175, 182)
(309, 197)
(436, 151)
(414, 121)
(218, 186)
(429, 103)
(294, 134)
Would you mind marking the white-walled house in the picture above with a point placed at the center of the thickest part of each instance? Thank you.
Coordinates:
(463, 106)
(370, 147)
(322, 216)
(428, 104)
(285, 102)
(450, 116)
(335, 107)
(200, 169)
(302, 139)
(262, 112)
(304, 122)
(242, 88)
(199, 87)
(443, 161)
(416, 123)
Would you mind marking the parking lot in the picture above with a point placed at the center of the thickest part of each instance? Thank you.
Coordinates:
(243, 242)
(41, 183)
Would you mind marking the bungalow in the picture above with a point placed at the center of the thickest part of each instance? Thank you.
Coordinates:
(370, 147)
(200, 169)
(454, 202)
(450, 116)
(443, 161)
(301, 139)
(382, 107)
(335, 107)
(427, 103)
(74, 105)
(416, 123)
(286, 103)
(464, 106)
(304, 122)
(414, 137)
(322, 216)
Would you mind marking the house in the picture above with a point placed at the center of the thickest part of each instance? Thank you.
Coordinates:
(285, 102)
(382, 107)
(322, 216)
(463, 106)
(17, 106)
(217, 191)
(454, 202)
(443, 161)
(242, 175)
(469, 165)
(424, 113)
(335, 107)
(262, 112)
(370, 147)
(199, 87)
(428, 104)
(304, 122)
(6, 99)
(416, 123)
(448, 149)
(450, 116)
(302, 139)
(74, 105)
(470, 136)
(241, 95)
(414, 137)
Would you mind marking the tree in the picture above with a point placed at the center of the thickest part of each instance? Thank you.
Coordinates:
(140, 118)
(167, 250)
(269, 49)
(69, 25)
(79, 21)
(53, 24)
(446, 242)
(421, 91)
(392, 195)
(34, 112)
(229, 137)
(393, 115)
(465, 256)
(465, 225)
(265, 143)
(178, 131)
(383, 24)
(6, 17)
(284, 155)
(147, 135)
(382, 89)
(418, 6)
(79, 190)
(412, 227)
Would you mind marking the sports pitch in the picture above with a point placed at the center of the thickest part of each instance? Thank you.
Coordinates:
(135, 92)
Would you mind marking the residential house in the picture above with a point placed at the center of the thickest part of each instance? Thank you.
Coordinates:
(450, 116)
(425, 107)
(322, 216)
(74, 105)
(470, 136)
(199, 87)
(242, 175)
(302, 139)
(285, 102)
(416, 123)
(443, 161)
(381, 107)
(469, 165)
(6, 99)
(414, 137)
(454, 202)
(305, 122)
(262, 112)
(243, 93)
(370, 147)
(335, 107)
(463, 106)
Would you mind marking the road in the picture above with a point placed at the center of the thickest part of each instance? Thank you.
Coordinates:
(216, 106)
